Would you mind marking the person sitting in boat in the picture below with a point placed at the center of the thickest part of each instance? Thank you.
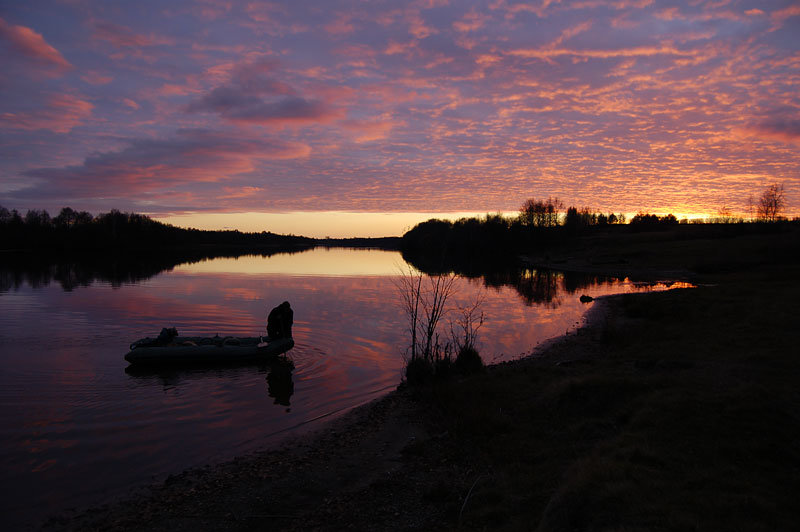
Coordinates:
(279, 321)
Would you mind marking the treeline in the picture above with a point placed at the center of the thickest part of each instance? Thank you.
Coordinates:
(475, 244)
(81, 231)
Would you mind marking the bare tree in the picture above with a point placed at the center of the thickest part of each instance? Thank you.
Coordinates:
(724, 216)
(439, 290)
(771, 203)
(464, 328)
(751, 207)
(409, 286)
(424, 301)
(540, 213)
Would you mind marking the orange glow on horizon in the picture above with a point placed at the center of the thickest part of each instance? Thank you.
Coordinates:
(336, 224)
(323, 224)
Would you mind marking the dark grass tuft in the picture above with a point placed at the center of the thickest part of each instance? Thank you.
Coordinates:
(469, 361)
(419, 371)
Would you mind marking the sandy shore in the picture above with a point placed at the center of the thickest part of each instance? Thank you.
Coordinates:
(378, 467)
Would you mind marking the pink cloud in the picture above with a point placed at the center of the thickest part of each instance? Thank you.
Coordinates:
(155, 166)
(172, 89)
(32, 45)
(618, 5)
(123, 37)
(669, 13)
(780, 16)
(265, 11)
(371, 130)
(95, 78)
(341, 25)
(471, 21)
(214, 9)
(241, 192)
(418, 28)
(268, 18)
(572, 31)
(637, 51)
(62, 113)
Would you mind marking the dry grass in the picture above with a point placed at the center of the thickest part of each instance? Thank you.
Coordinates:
(688, 420)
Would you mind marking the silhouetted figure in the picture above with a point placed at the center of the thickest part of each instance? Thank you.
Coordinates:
(279, 321)
(166, 336)
(280, 384)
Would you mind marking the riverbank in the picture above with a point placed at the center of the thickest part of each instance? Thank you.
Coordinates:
(367, 469)
(671, 410)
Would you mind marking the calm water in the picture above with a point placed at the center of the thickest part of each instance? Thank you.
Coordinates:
(77, 429)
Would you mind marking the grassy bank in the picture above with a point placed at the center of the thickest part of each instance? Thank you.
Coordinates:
(686, 417)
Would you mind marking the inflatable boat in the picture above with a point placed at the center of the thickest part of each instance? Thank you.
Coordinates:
(206, 350)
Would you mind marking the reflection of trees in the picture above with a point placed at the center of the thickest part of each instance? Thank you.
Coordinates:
(535, 286)
(572, 281)
(70, 272)
(540, 287)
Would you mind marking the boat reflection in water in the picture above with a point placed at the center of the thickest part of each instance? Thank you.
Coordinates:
(280, 384)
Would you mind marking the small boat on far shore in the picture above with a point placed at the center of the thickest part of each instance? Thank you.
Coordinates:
(206, 350)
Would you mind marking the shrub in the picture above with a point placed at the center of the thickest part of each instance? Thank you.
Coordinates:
(443, 367)
(419, 371)
(469, 361)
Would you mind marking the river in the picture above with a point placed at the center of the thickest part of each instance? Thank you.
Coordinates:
(78, 429)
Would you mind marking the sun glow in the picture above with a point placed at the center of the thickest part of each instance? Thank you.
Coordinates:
(334, 224)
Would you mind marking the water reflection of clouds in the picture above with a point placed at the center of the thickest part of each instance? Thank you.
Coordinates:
(319, 261)
(350, 337)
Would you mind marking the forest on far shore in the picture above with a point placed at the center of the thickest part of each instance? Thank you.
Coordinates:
(542, 225)
(539, 224)
(81, 231)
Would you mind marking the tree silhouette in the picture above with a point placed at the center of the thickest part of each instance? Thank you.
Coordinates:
(771, 203)
(540, 213)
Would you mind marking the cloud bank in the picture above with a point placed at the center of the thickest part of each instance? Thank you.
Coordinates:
(421, 106)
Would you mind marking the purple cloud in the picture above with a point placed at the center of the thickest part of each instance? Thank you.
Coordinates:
(253, 97)
(153, 167)
(786, 129)
(121, 36)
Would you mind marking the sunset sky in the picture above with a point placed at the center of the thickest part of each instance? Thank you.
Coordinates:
(348, 117)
